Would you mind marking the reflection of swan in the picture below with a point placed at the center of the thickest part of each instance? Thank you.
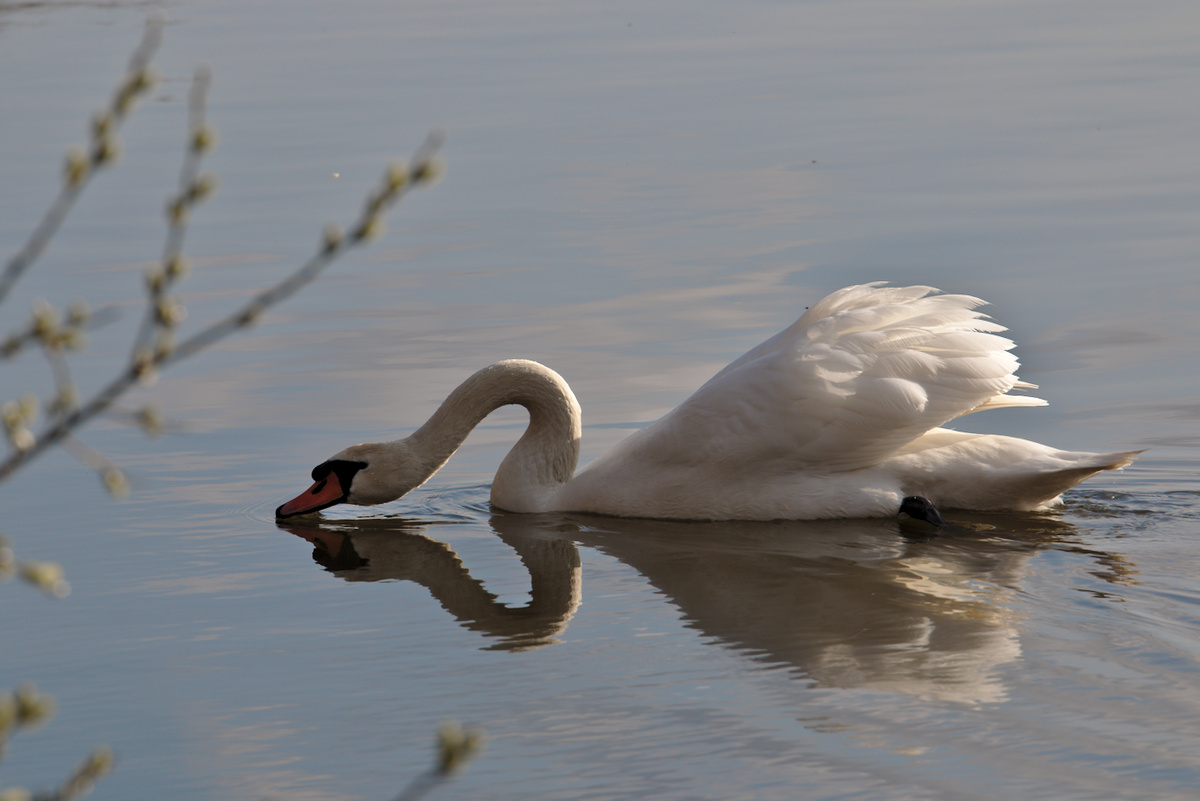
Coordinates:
(837, 416)
(371, 550)
(844, 603)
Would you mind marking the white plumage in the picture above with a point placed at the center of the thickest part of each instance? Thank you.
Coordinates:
(839, 415)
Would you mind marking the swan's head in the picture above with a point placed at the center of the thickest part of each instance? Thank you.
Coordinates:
(363, 475)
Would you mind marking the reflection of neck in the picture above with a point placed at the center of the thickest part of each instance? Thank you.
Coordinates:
(553, 566)
(554, 572)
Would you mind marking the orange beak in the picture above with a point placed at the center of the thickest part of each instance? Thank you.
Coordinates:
(321, 495)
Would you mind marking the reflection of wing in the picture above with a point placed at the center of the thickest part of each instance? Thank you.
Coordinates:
(862, 373)
(847, 603)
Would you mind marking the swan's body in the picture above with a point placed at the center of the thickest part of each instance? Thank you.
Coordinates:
(839, 415)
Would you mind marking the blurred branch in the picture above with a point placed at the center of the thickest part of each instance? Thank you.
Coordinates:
(398, 180)
(455, 748)
(20, 709)
(193, 188)
(46, 576)
(97, 765)
(154, 346)
(146, 361)
(81, 165)
(81, 781)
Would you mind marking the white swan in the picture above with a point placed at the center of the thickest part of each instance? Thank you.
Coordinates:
(836, 416)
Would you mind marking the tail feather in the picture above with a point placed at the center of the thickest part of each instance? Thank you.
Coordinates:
(1040, 490)
(1007, 401)
(1115, 461)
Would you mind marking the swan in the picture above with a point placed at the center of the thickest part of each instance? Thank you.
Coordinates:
(839, 415)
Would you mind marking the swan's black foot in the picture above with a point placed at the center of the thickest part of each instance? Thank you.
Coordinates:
(919, 508)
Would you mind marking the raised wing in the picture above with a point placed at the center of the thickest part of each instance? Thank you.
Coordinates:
(860, 374)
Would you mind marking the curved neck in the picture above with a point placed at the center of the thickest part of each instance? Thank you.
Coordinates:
(542, 460)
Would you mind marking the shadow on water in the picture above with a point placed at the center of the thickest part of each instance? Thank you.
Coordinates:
(883, 604)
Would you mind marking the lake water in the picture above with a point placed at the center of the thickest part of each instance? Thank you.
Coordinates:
(636, 193)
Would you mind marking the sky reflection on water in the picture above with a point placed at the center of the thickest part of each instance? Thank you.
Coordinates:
(635, 196)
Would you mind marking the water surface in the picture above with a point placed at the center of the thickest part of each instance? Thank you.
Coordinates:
(636, 194)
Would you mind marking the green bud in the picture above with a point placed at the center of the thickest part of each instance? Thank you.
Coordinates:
(156, 279)
(115, 482)
(143, 367)
(102, 125)
(98, 764)
(32, 707)
(45, 320)
(177, 267)
(169, 312)
(107, 151)
(204, 139)
(78, 313)
(177, 211)
(66, 399)
(201, 188)
(456, 747)
(397, 175)
(136, 84)
(18, 414)
(144, 79)
(151, 420)
(370, 229)
(429, 171)
(76, 167)
(48, 577)
(73, 339)
(22, 438)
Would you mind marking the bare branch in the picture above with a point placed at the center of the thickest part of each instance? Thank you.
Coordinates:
(154, 345)
(456, 747)
(398, 180)
(81, 166)
(193, 189)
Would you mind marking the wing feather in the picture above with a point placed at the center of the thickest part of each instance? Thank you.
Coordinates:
(862, 373)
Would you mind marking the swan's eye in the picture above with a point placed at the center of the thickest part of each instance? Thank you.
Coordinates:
(343, 471)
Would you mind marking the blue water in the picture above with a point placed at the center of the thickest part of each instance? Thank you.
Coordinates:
(635, 194)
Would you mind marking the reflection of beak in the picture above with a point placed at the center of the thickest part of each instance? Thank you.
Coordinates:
(321, 538)
(331, 550)
(321, 495)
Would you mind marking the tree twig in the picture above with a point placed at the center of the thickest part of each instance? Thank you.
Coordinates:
(193, 188)
(398, 180)
(81, 166)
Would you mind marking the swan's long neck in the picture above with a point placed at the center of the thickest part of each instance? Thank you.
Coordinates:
(542, 460)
